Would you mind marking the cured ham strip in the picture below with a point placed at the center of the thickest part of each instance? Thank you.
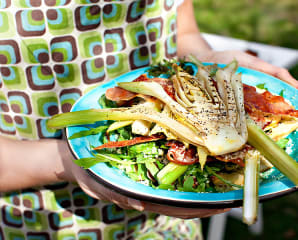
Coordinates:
(119, 94)
(262, 119)
(266, 102)
(178, 153)
(130, 142)
(142, 78)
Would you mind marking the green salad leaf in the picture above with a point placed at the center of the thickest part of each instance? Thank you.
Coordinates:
(262, 86)
(88, 162)
(281, 93)
(282, 143)
(166, 67)
(91, 131)
(106, 103)
(188, 184)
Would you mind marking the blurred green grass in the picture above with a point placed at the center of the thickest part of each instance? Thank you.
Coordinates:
(270, 22)
(265, 21)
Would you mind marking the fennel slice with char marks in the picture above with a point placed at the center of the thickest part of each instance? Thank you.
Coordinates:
(219, 135)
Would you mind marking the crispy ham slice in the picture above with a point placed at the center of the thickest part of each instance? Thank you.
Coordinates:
(130, 142)
(119, 94)
(178, 153)
(266, 102)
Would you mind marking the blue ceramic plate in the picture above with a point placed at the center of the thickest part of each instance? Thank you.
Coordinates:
(274, 185)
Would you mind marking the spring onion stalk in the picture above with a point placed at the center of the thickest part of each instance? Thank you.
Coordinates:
(123, 114)
(170, 173)
(251, 186)
(119, 124)
(272, 152)
(152, 168)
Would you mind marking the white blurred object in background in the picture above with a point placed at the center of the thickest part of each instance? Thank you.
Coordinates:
(278, 56)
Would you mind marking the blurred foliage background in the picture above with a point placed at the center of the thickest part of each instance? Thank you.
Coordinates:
(266, 21)
(271, 22)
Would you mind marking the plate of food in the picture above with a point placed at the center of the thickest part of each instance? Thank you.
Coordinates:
(182, 133)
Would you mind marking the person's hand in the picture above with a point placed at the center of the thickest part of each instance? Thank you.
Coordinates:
(98, 191)
(191, 41)
(249, 61)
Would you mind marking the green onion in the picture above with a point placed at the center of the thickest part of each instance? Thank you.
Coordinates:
(251, 186)
(151, 168)
(92, 131)
(182, 131)
(118, 124)
(282, 143)
(272, 152)
(170, 173)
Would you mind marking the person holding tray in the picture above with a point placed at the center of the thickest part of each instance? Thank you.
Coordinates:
(53, 52)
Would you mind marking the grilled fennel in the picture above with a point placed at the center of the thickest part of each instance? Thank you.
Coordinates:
(212, 106)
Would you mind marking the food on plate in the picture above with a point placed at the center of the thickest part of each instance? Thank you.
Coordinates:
(187, 127)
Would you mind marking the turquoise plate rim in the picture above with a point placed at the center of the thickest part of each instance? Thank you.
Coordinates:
(116, 180)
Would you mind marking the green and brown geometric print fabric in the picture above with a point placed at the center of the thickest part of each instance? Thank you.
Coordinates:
(51, 53)
(65, 212)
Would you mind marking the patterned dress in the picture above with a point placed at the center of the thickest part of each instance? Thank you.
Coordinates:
(51, 53)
